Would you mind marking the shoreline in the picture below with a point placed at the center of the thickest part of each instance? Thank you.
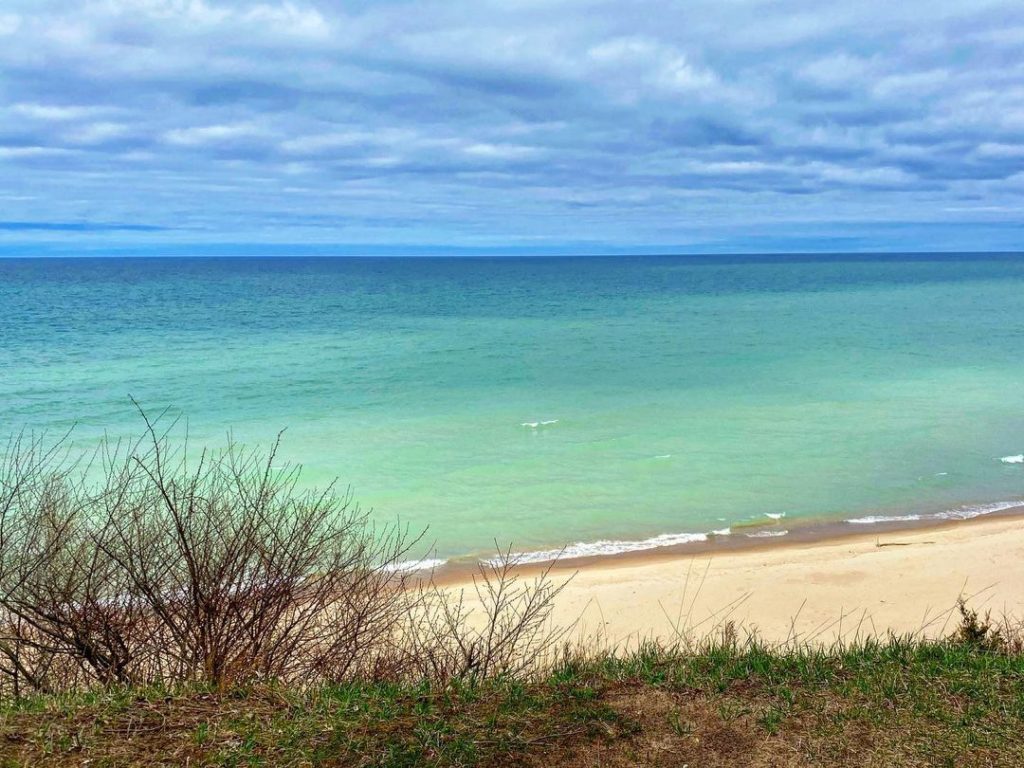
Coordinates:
(797, 534)
(814, 586)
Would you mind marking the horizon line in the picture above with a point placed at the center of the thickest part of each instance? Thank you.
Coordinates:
(472, 253)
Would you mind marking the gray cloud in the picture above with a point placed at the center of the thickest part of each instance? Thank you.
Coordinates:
(475, 123)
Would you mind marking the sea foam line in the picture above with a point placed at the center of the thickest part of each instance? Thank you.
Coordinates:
(598, 548)
(1018, 459)
(873, 519)
(407, 566)
(967, 512)
(766, 534)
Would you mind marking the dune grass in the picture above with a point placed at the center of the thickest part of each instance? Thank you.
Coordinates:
(894, 703)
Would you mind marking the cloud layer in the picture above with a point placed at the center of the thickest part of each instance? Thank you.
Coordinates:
(703, 125)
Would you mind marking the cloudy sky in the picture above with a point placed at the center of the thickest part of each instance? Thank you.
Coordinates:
(518, 126)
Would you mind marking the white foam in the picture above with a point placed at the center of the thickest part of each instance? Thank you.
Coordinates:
(598, 548)
(405, 566)
(664, 456)
(766, 534)
(941, 474)
(969, 512)
(775, 515)
(536, 424)
(959, 513)
(1018, 459)
(874, 519)
(614, 547)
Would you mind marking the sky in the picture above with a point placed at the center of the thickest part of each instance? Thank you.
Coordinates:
(519, 126)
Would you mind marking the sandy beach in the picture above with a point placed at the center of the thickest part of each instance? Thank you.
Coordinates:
(870, 584)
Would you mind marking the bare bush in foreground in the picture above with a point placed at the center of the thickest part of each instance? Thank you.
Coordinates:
(217, 567)
(505, 630)
(64, 613)
(246, 574)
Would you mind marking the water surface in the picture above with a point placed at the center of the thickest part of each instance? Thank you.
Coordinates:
(549, 401)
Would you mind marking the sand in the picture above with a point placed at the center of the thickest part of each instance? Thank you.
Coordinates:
(857, 585)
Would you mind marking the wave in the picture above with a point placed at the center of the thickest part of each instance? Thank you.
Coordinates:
(405, 566)
(873, 519)
(1018, 459)
(664, 456)
(535, 424)
(606, 547)
(977, 510)
(966, 512)
(598, 548)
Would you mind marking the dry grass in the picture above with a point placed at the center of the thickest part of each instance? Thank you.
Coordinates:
(898, 703)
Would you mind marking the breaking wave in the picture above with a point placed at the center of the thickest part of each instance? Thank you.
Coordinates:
(536, 424)
(598, 548)
(405, 566)
(967, 512)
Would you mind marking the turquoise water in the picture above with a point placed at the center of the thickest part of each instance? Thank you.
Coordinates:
(685, 394)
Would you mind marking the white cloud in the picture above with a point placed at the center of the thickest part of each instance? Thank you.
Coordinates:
(327, 142)
(9, 24)
(55, 112)
(999, 150)
(287, 18)
(1012, 36)
(500, 151)
(96, 133)
(913, 83)
(290, 19)
(195, 12)
(638, 60)
(736, 167)
(866, 176)
(211, 134)
(29, 152)
(839, 70)
(624, 49)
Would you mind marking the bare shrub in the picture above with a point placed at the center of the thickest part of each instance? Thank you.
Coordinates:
(217, 567)
(64, 614)
(504, 631)
(246, 574)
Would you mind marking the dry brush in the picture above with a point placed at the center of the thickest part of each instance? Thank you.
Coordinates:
(153, 563)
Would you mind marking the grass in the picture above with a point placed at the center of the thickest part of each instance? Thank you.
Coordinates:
(895, 703)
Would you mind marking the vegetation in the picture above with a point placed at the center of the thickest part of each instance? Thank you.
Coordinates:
(200, 609)
(896, 703)
(216, 569)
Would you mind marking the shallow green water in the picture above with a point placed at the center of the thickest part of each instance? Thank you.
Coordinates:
(685, 394)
